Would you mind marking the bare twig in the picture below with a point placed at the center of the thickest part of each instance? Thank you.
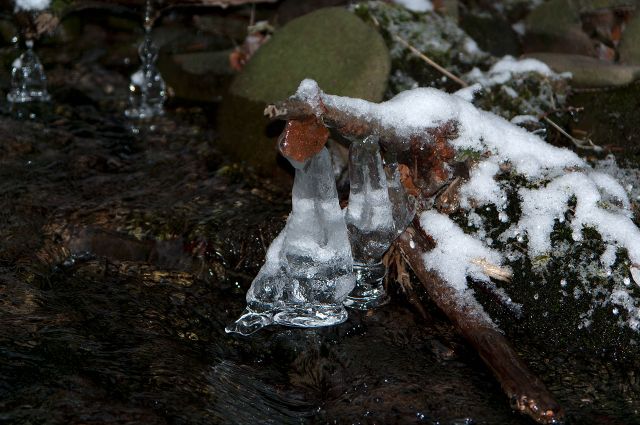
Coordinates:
(581, 144)
(430, 61)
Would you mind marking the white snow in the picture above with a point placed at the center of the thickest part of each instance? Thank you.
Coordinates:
(453, 256)
(413, 111)
(541, 207)
(416, 5)
(32, 4)
(508, 67)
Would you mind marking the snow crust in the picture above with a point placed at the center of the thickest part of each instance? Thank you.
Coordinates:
(412, 111)
(32, 4)
(416, 5)
(541, 207)
(507, 67)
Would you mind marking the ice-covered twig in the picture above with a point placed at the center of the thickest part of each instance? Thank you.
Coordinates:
(526, 392)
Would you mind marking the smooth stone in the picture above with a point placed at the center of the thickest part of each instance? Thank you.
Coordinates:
(629, 48)
(343, 54)
(332, 46)
(555, 26)
(588, 71)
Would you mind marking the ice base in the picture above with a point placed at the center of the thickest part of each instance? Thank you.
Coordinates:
(311, 316)
(369, 291)
(249, 322)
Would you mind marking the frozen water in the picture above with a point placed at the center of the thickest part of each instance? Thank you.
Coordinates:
(308, 271)
(147, 90)
(28, 81)
(378, 211)
(369, 215)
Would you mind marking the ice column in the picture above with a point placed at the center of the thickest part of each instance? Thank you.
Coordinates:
(28, 81)
(147, 90)
(308, 272)
(378, 212)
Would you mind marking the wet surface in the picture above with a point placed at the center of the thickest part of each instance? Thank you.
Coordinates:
(123, 256)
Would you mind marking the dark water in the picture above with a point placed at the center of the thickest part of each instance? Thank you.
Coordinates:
(123, 257)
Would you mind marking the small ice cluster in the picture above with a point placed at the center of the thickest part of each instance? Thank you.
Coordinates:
(32, 4)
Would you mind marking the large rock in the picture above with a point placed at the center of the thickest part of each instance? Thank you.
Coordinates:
(629, 48)
(555, 26)
(588, 71)
(332, 46)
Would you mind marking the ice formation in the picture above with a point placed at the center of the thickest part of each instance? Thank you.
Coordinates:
(308, 271)
(147, 90)
(32, 4)
(376, 215)
(28, 80)
(558, 183)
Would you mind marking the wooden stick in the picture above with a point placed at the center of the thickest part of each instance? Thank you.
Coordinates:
(526, 392)
(430, 61)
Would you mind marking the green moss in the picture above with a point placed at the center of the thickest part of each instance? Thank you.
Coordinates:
(332, 46)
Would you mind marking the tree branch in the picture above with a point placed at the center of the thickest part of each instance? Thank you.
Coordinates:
(526, 392)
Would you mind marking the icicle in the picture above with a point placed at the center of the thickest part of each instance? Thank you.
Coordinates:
(147, 90)
(28, 81)
(308, 271)
(378, 212)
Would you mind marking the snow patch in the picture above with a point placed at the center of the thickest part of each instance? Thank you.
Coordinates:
(455, 252)
(416, 5)
(32, 4)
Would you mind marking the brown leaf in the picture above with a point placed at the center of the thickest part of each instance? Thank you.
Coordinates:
(302, 139)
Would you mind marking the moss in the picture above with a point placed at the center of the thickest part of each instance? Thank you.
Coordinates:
(332, 46)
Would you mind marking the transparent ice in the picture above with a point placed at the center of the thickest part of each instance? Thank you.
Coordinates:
(378, 212)
(28, 81)
(147, 90)
(308, 272)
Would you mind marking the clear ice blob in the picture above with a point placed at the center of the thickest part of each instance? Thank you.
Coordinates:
(147, 89)
(308, 272)
(378, 212)
(28, 80)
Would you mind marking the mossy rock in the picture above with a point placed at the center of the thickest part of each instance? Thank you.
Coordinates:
(344, 55)
(589, 72)
(332, 46)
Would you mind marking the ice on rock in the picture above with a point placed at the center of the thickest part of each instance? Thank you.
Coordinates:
(308, 270)
(378, 212)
